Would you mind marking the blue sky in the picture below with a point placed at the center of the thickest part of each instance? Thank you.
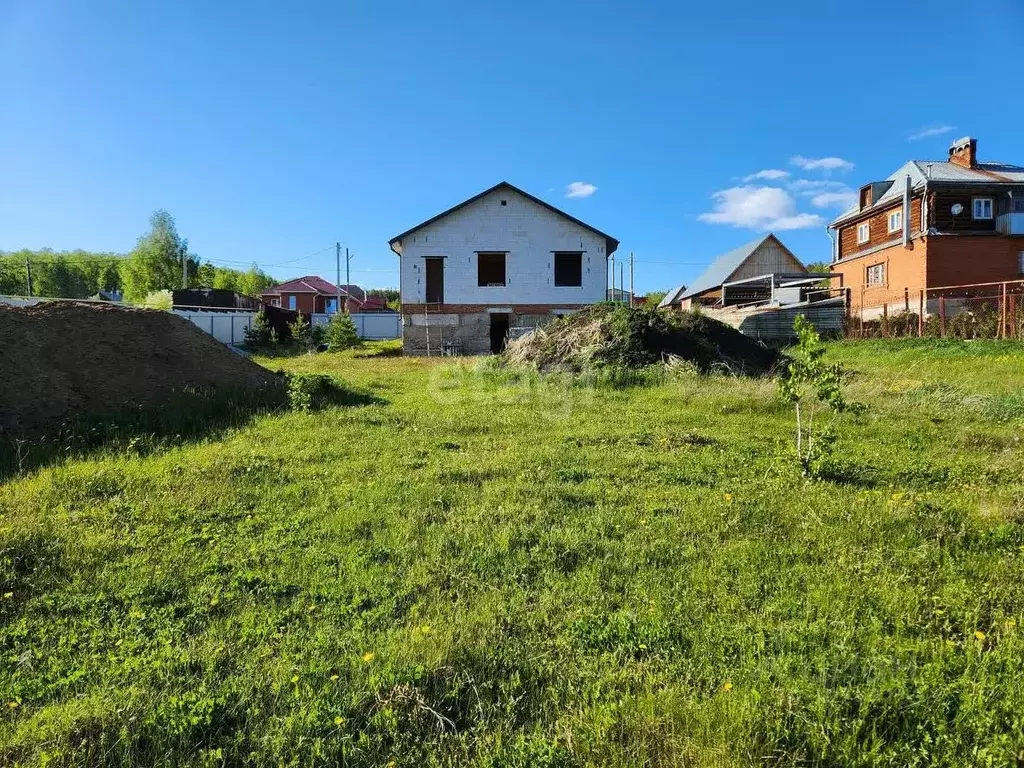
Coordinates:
(270, 130)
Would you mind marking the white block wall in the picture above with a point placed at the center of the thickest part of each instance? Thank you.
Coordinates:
(527, 231)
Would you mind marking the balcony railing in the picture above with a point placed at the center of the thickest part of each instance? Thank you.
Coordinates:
(1011, 224)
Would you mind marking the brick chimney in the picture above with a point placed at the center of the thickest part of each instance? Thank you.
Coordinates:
(964, 152)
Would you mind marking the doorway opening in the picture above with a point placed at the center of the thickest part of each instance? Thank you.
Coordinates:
(435, 280)
(499, 331)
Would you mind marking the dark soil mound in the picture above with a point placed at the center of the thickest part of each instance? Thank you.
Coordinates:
(617, 335)
(63, 360)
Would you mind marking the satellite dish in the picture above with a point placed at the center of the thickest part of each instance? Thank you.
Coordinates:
(957, 209)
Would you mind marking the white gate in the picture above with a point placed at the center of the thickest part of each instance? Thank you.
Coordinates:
(227, 327)
(374, 326)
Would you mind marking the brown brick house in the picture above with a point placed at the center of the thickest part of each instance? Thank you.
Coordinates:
(314, 295)
(929, 225)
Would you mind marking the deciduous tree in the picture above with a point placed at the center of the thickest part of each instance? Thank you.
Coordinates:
(155, 264)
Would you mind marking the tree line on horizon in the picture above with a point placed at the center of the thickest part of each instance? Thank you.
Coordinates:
(155, 264)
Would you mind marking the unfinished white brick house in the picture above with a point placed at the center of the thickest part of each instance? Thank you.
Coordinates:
(499, 260)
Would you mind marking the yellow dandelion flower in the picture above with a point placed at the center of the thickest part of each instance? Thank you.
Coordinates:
(1011, 623)
(295, 678)
(727, 687)
(425, 629)
(8, 595)
(339, 720)
(12, 704)
(368, 656)
(334, 677)
(728, 498)
(979, 635)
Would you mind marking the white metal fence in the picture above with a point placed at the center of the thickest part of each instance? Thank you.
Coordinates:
(229, 325)
(20, 301)
(225, 327)
(374, 326)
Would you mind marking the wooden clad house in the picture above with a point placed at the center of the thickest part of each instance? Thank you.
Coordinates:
(931, 224)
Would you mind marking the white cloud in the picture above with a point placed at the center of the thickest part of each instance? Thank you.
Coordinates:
(817, 186)
(769, 174)
(580, 189)
(761, 208)
(834, 199)
(825, 193)
(821, 163)
(929, 132)
(798, 221)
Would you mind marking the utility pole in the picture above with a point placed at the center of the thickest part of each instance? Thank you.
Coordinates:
(28, 275)
(337, 255)
(348, 280)
(612, 296)
(622, 279)
(631, 293)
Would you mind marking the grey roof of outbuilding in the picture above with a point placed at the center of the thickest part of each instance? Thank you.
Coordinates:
(717, 273)
(940, 171)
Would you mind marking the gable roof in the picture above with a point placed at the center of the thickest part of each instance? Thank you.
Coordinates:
(941, 171)
(720, 270)
(353, 292)
(307, 284)
(611, 244)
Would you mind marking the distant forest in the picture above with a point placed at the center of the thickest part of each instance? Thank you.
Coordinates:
(155, 264)
(81, 274)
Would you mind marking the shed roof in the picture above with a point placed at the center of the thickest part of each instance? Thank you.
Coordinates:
(720, 270)
(611, 244)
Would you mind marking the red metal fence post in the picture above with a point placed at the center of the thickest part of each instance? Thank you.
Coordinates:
(849, 311)
(906, 300)
(1002, 313)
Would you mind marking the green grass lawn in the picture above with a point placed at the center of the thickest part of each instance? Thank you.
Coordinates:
(490, 570)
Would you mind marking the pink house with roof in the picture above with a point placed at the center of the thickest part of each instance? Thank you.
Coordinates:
(314, 295)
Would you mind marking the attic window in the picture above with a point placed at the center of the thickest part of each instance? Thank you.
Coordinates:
(865, 196)
(504, 202)
(569, 269)
(490, 269)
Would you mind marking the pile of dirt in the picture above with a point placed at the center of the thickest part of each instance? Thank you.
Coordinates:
(618, 335)
(64, 360)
